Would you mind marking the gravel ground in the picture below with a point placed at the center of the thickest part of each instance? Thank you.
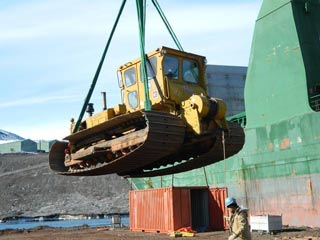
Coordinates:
(84, 232)
(29, 188)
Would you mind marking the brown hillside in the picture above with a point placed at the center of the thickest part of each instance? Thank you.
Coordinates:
(29, 188)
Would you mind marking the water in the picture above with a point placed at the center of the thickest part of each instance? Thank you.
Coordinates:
(27, 223)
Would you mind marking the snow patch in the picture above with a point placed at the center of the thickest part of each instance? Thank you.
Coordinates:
(6, 137)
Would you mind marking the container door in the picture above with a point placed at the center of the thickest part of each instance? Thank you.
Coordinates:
(200, 209)
(217, 209)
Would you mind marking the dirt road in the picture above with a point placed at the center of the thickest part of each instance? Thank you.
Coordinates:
(84, 232)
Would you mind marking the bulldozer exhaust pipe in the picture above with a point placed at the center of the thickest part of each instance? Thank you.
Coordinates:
(104, 100)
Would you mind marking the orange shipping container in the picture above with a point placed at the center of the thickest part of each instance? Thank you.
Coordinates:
(168, 209)
(160, 210)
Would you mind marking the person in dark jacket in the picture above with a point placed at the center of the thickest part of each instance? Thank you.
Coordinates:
(239, 225)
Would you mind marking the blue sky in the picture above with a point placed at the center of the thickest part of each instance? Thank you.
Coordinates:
(50, 49)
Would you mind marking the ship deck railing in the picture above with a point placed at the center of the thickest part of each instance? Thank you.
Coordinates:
(315, 102)
(239, 118)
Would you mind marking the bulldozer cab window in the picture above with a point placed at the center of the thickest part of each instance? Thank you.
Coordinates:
(130, 76)
(133, 99)
(190, 71)
(171, 67)
(151, 65)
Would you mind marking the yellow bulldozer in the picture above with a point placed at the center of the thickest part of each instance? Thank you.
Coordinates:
(184, 129)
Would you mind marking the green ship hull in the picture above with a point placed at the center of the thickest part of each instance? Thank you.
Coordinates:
(278, 169)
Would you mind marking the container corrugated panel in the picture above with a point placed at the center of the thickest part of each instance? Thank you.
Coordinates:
(181, 208)
(159, 210)
(227, 83)
(217, 208)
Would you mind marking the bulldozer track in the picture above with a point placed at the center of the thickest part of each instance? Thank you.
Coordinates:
(164, 134)
(155, 150)
(233, 143)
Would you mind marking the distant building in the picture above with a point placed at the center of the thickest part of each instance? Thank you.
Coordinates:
(44, 146)
(25, 145)
(227, 83)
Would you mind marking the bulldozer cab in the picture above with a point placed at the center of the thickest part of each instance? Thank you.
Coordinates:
(173, 76)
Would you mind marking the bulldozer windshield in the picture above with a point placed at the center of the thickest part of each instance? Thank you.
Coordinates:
(190, 71)
(171, 67)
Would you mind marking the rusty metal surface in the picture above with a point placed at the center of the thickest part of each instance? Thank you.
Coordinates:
(126, 141)
(218, 211)
(159, 210)
(296, 198)
(164, 135)
(168, 209)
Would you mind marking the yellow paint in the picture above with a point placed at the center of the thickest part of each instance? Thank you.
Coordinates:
(176, 94)
(100, 117)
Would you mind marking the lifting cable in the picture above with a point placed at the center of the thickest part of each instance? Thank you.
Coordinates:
(165, 20)
(95, 78)
(141, 11)
(224, 157)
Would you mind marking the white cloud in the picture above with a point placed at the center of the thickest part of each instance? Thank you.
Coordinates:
(40, 19)
(40, 100)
